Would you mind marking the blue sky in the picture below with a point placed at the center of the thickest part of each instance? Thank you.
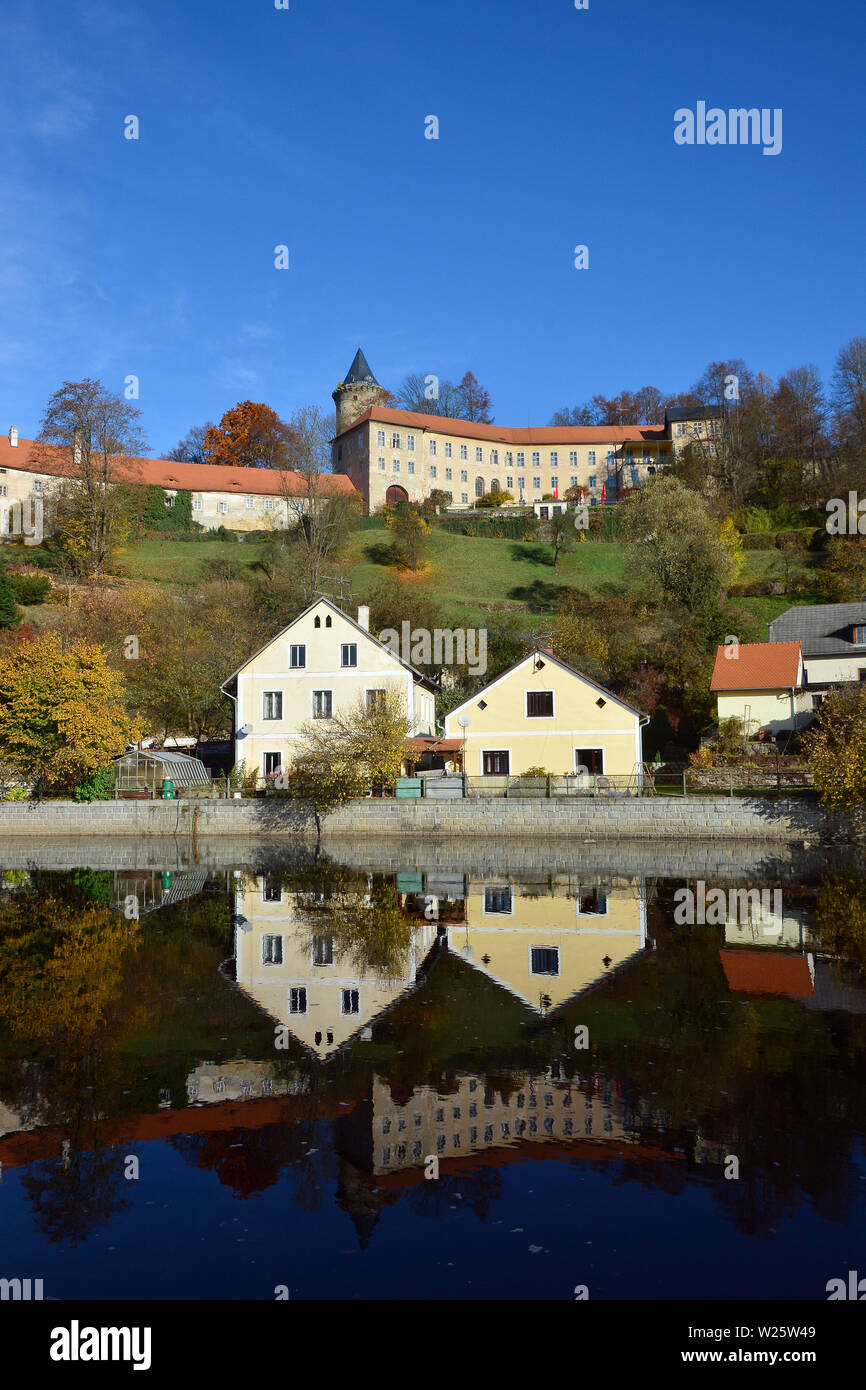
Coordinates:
(305, 127)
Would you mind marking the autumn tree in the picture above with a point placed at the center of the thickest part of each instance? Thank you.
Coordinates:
(321, 515)
(561, 534)
(464, 400)
(474, 400)
(411, 534)
(249, 435)
(577, 639)
(92, 437)
(368, 735)
(679, 552)
(849, 394)
(62, 713)
(836, 750)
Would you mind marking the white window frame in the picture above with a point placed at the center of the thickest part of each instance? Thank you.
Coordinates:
(298, 647)
(526, 695)
(348, 665)
(541, 974)
(272, 718)
(313, 694)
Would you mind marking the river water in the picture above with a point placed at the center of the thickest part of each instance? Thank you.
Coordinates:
(397, 1072)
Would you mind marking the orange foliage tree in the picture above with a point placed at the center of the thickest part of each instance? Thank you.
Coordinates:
(250, 435)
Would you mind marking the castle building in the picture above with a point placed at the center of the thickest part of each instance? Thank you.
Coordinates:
(403, 455)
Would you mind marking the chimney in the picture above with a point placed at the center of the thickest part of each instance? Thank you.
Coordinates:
(13, 436)
(364, 616)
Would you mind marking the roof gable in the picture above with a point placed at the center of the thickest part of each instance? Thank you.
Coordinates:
(546, 655)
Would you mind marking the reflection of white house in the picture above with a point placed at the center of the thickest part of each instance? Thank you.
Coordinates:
(761, 684)
(546, 946)
(322, 664)
(833, 639)
(287, 960)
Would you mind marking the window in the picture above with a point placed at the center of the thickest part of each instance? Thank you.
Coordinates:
(323, 950)
(572, 458)
(396, 466)
(572, 482)
(536, 458)
(433, 448)
(479, 455)
(521, 484)
(374, 699)
(521, 458)
(464, 475)
(509, 458)
(509, 481)
(271, 892)
(410, 443)
(269, 504)
(590, 458)
(322, 704)
(380, 438)
(395, 440)
(539, 704)
(272, 950)
(554, 458)
(222, 507)
(610, 458)
(464, 497)
(248, 502)
(494, 457)
(272, 704)
(591, 902)
(297, 655)
(536, 482)
(410, 466)
(464, 454)
(271, 763)
(497, 900)
(169, 500)
(351, 1001)
(681, 429)
(432, 470)
(298, 1000)
(496, 764)
(381, 465)
(861, 673)
(479, 487)
(592, 480)
(554, 481)
(545, 960)
(3, 490)
(196, 504)
(448, 450)
(858, 634)
(590, 758)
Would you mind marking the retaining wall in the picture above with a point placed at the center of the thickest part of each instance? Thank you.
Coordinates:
(590, 818)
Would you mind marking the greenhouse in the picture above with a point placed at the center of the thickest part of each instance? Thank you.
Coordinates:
(146, 771)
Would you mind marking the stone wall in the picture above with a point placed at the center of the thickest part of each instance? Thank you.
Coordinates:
(586, 819)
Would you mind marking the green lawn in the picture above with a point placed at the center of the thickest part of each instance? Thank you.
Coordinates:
(471, 576)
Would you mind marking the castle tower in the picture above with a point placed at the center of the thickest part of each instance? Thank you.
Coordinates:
(356, 393)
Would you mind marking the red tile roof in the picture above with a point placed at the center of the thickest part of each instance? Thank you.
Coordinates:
(758, 666)
(768, 972)
(191, 477)
(504, 434)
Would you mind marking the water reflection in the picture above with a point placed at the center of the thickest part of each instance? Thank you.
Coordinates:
(326, 1029)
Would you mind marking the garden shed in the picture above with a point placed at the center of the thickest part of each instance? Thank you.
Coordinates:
(143, 771)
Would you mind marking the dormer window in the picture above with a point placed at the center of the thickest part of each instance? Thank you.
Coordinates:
(858, 634)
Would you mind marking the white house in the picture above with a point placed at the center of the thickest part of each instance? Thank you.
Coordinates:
(322, 662)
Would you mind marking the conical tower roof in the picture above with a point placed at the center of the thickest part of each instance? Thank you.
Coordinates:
(359, 370)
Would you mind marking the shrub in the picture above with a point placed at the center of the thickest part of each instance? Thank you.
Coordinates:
(98, 787)
(30, 588)
(16, 794)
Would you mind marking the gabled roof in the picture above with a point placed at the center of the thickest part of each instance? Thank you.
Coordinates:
(418, 675)
(187, 477)
(693, 412)
(505, 434)
(759, 666)
(820, 627)
(547, 655)
(768, 972)
(359, 371)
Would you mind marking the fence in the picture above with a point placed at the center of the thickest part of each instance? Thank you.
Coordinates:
(456, 786)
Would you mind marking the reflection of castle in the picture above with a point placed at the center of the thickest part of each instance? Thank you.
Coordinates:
(291, 966)
(474, 1118)
(546, 943)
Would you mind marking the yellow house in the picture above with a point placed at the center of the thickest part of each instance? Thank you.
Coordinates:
(762, 685)
(322, 662)
(543, 713)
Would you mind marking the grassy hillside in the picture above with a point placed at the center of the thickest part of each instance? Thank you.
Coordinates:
(469, 575)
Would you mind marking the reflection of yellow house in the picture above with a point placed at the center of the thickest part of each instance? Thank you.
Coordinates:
(543, 713)
(288, 963)
(547, 946)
